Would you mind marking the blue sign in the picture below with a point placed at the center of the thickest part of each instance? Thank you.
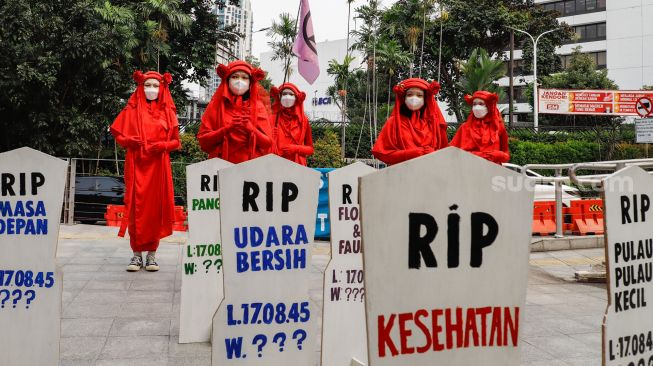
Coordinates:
(322, 226)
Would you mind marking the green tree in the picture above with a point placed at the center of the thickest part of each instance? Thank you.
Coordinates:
(67, 65)
(391, 58)
(282, 34)
(469, 25)
(481, 72)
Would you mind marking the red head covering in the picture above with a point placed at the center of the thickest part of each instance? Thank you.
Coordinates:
(482, 136)
(426, 128)
(291, 125)
(137, 107)
(215, 111)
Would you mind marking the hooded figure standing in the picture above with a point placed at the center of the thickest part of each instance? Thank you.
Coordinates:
(416, 126)
(147, 127)
(292, 132)
(235, 126)
(484, 133)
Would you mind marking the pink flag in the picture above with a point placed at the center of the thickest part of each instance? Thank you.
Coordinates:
(305, 46)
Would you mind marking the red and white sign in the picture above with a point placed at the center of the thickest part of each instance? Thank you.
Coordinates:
(594, 102)
(644, 107)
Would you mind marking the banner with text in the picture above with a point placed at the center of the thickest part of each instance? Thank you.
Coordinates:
(447, 266)
(267, 214)
(594, 102)
(344, 335)
(628, 322)
(201, 281)
(32, 189)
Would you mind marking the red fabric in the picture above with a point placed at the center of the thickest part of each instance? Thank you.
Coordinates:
(485, 137)
(292, 132)
(403, 138)
(234, 129)
(149, 196)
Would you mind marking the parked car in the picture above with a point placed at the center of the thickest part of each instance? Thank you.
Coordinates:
(93, 194)
(546, 191)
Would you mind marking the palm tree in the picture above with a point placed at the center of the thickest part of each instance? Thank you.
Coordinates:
(283, 35)
(161, 16)
(341, 72)
(412, 35)
(392, 57)
(428, 6)
(481, 72)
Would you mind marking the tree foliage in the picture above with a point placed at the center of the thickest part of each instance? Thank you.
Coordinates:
(67, 65)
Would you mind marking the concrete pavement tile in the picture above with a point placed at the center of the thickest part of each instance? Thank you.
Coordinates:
(77, 363)
(188, 350)
(90, 311)
(135, 347)
(563, 347)
(137, 309)
(140, 327)
(188, 361)
(101, 297)
(81, 348)
(85, 327)
(149, 296)
(531, 353)
(150, 361)
(586, 361)
(120, 285)
(593, 340)
(148, 285)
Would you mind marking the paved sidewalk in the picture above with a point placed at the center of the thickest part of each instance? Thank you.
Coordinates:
(112, 317)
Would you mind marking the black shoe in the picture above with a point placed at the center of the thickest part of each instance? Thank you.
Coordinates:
(136, 264)
(150, 264)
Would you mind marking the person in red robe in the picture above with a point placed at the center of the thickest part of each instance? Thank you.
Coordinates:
(148, 128)
(292, 132)
(484, 133)
(235, 126)
(416, 126)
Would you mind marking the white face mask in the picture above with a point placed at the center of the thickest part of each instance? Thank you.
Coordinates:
(151, 93)
(414, 103)
(288, 100)
(238, 86)
(480, 111)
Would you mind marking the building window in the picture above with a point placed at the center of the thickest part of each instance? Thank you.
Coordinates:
(519, 97)
(575, 7)
(600, 59)
(589, 32)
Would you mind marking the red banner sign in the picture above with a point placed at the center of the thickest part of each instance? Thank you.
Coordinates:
(591, 102)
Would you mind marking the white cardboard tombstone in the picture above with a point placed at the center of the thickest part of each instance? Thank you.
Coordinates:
(627, 329)
(30, 316)
(281, 342)
(407, 308)
(201, 281)
(344, 335)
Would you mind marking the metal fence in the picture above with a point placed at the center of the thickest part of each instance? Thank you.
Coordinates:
(94, 184)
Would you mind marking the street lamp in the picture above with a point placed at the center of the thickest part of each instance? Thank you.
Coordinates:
(536, 107)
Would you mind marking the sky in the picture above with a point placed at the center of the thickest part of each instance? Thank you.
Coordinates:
(329, 18)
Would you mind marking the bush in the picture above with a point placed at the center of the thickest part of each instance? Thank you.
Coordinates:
(327, 152)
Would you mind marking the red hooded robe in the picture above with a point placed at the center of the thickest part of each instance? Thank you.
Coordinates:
(220, 136)
(149, 197)
(292, 132)
(485, 137)
(403, 138)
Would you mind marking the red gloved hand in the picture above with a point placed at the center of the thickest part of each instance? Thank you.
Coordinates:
(289, 149)
(134, 142)
(427, 150)
(157, 147)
